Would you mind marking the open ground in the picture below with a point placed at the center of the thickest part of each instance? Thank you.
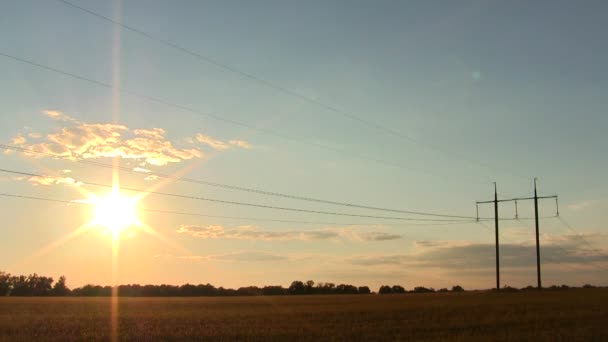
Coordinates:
(565, 315)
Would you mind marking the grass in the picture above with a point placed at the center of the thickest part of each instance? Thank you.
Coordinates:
(569, 315)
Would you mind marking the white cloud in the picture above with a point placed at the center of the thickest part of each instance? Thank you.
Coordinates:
(42, 180)
(59, 116)
(211, 142)
(241, 144)
(84, 140)
(222, 145)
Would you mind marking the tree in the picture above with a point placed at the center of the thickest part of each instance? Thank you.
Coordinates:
(398, 289)
(421, 289)
(6, 284)
(297, 287)
(457, 288)
(385, 289)
(364, 290)
(60, 289)
(276, 290)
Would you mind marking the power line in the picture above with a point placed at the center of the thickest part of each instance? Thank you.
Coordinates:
(46, 199)
(280, 88)
(237, 203)
(579, 235)
(212, 115)
(566, 252)
(239, 188)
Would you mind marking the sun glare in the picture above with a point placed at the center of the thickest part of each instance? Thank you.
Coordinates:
(115, 212)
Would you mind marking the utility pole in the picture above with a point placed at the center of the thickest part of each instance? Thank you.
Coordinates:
(538, 282)
(495, 201)
(536, 219)
(496, 233)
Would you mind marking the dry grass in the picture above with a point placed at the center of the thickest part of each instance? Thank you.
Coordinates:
(573, 315)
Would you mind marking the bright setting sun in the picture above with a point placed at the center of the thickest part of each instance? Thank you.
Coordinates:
(115, 212)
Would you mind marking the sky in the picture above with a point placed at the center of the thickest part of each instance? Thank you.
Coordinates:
(407, 105)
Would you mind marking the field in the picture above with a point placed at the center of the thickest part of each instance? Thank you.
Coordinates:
(568, 315)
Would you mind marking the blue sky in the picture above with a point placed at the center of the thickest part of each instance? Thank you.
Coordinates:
(480, 91)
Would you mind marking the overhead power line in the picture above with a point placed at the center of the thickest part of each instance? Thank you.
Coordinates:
(580, 236)
(239, 188)
(256, 205)
(212, 115)
(46, 199)
(280, 88)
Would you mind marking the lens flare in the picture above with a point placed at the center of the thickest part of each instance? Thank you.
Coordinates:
(115, 212)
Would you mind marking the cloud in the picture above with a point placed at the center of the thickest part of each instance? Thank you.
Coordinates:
(213, 143)
(241, 144)
(141, 170)
(471, 256)
(429, 243)
(221, 145)
(18, 140)
(59, 116)
(243, 256)
(85, 140)
(252, 233)
(581, 205)
(151, 178)
(42, 180)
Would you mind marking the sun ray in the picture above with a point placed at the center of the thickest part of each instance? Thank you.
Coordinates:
(51, 246)
(167, 180)
(151, 231)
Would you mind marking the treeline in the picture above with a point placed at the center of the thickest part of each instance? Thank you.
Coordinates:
(36, 285)
(32, 285)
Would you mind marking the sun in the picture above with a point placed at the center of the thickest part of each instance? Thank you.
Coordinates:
(115, 212)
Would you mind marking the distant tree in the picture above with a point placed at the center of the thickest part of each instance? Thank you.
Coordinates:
(274, 290)
(309, 286)
(346, 289)
(398, 289)
(325, 288)
(364, 290)
(457, 288)
(507, 288)
(6, 284)
(588, 286)
(443, 289)
(249, 291)
(32, 285)
(60, 288)
(421, 289)
(297, 287)
(385, 289)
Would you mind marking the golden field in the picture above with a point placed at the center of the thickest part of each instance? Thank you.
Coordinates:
(564, 315)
